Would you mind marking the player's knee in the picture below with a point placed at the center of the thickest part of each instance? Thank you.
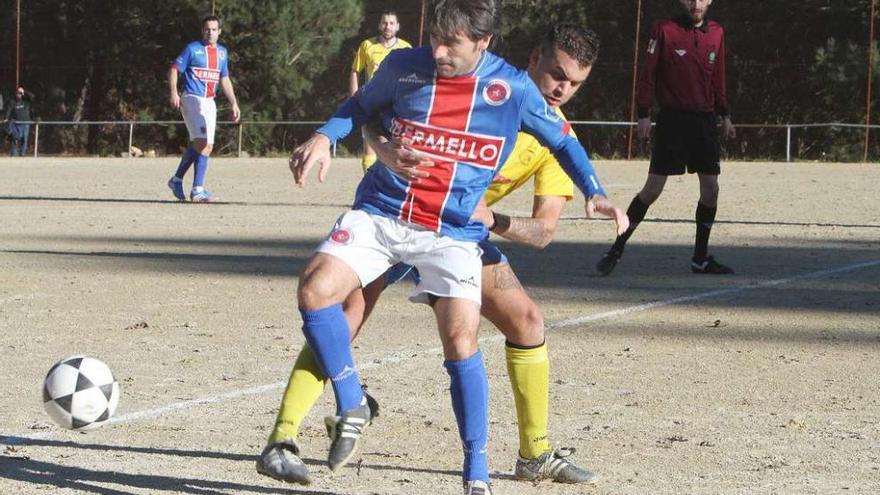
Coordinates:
(460, 346)
(203, 147)
(709, 193)
(652, 189)
(313, 293)
(527, 327)
(650, 194)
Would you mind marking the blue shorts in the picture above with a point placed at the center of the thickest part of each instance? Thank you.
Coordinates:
(401, 271)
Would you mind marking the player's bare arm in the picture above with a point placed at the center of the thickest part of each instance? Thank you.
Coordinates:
(173, 95)
(536, 231)
(306, 155)
(226, 85)
(353, 83)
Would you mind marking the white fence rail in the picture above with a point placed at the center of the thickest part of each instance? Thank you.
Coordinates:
(241, 125)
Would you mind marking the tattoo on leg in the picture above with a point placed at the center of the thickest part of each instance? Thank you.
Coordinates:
(504, 278)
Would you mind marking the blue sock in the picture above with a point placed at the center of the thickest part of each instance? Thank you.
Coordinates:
(201, 170)
(186, 161)
(469, 388)
(326, 330)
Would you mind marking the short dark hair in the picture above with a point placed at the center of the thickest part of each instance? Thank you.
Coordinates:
(211, 17)
(579, 43)
(475, 18)
(389, 12)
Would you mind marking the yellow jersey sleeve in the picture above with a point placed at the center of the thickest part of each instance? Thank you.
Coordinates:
(528, 159)
(551, 180)
(360, 57)
(371, 53)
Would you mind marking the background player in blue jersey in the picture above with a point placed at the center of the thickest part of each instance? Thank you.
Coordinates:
(464, 106)
(204, 65)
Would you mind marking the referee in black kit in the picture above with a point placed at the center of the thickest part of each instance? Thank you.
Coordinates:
(685, 71)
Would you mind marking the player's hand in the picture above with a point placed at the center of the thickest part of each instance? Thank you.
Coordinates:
(315, 150)
(590, 210)
(643, 129)
(728, 131)
(599, 205)
(403, 160)
(174, 100)
(236, 113)
(483, 214)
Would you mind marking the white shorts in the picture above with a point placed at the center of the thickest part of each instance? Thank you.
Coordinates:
(370, 244)
(200, 115)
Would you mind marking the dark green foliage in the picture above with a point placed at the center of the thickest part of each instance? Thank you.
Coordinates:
(107, 60)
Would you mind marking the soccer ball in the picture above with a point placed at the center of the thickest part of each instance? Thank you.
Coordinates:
(80, 393)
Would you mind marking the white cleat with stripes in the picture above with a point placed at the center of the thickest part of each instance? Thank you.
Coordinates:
(553, 465)
(345, 431)
(477, 487)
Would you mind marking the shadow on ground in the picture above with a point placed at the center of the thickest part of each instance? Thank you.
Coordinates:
(646, 272)
(23, 468)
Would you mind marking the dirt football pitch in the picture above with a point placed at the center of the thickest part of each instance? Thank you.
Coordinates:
(664, 382)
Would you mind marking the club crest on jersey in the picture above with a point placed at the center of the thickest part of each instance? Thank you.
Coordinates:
(450, 145)
(711, 57)
(497, 92)
(652, 45)
(341, 236)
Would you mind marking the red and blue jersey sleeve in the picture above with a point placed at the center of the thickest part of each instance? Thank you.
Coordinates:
(539, 120)
(371, 99)
(183, 60)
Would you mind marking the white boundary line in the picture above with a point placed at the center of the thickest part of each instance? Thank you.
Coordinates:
(708, 295)
(400, 357)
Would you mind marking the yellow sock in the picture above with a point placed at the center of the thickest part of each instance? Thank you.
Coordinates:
(305, 385)
(367, 161)
(529, 371)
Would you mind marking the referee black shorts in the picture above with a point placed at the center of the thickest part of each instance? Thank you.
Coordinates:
(685, 141)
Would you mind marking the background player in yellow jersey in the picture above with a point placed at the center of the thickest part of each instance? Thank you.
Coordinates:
(559, 66)
(370, 54)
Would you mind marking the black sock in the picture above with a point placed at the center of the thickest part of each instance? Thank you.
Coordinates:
(705, 217)
(636, 213)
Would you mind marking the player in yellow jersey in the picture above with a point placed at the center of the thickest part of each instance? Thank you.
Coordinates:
(558, 67)
(370, 54)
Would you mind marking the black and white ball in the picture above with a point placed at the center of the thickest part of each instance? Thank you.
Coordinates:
(80, 393)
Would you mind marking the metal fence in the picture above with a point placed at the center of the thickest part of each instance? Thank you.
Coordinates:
(790, 130)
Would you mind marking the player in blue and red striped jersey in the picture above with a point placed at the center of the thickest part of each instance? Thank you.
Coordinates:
(462, 106)
(205, 66)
